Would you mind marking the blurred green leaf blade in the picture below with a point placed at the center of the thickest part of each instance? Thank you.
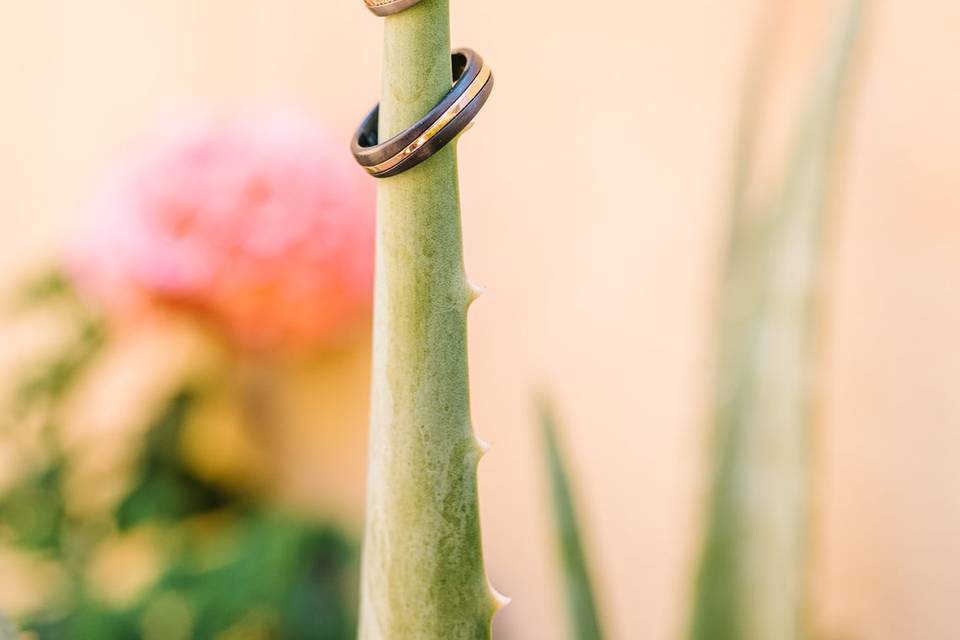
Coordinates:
(752, 580)
(581, 603)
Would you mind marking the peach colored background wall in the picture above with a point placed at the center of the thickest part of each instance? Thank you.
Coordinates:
(599, 268)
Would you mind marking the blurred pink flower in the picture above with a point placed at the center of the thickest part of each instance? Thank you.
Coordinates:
(262, 225)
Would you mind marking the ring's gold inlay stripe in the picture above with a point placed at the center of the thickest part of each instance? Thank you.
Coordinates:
(472, 91)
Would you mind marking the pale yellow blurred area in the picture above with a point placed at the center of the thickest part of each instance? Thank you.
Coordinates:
(593, 189)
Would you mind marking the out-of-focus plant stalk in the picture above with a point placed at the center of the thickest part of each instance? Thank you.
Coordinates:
(752, 582)
(581, 604)
(423, 574)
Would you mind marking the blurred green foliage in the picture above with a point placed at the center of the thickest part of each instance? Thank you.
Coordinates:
(166, 489)
(232, 568)
(261, 575)
(581, 604)
(32, 511)
(752, 581)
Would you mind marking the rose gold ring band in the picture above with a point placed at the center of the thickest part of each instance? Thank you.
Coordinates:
(389, 7)
(472, 84)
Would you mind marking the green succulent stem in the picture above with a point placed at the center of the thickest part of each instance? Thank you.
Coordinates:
(423, 572)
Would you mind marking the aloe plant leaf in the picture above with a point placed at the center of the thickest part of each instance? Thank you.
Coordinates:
(753, 575)
(581, 603)
(422, 574)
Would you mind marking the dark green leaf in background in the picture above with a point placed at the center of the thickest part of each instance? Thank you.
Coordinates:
(166, 489)
(581, 605)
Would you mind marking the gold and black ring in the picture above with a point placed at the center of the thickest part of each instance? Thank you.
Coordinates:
(384, 8)
(473, 82)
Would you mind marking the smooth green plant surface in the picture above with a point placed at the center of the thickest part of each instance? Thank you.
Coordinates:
(753, 578)
(581, 604)
(422, 571)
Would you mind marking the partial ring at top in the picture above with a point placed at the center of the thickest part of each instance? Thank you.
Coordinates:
(454, 113)
(389, 7)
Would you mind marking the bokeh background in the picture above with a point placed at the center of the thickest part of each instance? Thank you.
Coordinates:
(599, 253)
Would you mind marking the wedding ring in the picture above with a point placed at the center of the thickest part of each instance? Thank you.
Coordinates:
(472, 86)
(389, 7)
